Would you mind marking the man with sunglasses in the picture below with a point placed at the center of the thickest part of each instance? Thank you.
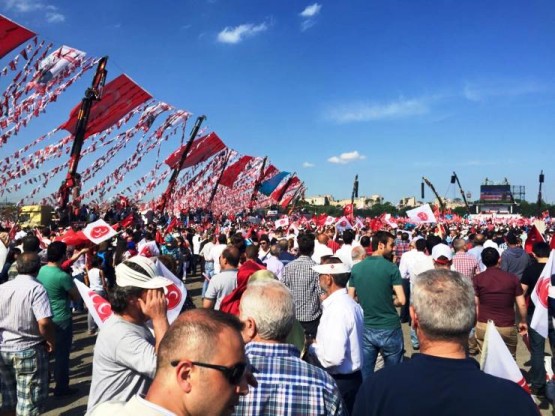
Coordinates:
(202, 370)
(286, 384)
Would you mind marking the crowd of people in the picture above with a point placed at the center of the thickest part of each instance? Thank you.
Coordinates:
(302, 320)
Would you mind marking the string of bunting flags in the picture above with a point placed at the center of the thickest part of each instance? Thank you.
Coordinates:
(127, 120)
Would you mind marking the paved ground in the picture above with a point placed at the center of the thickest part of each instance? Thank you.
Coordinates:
(81, 363)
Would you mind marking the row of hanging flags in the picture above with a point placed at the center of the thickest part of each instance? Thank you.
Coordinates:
(126, 119)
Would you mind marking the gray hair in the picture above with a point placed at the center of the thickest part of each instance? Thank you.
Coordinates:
(358, 253)
(270, 304)
(444, 303)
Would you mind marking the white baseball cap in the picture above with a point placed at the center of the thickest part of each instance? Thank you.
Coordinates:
(140, 271)
(442, 250)
(337, 268)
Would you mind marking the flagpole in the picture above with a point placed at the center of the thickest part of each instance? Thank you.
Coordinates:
(541, 179)
(213, 194)
(173, 179)
(353, 195)
(287, 185)
(295, 199)
(257, 184)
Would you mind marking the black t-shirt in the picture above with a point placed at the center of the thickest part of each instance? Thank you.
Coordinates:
(530, 278)
(428, 385)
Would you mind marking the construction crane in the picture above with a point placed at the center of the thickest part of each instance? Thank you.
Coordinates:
(72, 182)
(455, 178)
(440, 201)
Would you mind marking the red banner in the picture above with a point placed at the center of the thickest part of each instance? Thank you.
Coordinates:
(12, 35)
(230, 175)
(270, 171)
(201, 150)
(279, 192)
(119, 97)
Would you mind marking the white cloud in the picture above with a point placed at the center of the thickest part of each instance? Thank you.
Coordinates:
(309, 16)
(345, 158)
(52, 14)
(238, 33)
(312, 10)
(308, 165)
(55, 17)
(501, 88)
(401, 108)
(24, 6)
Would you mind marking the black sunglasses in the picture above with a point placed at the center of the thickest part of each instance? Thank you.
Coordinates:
(232, 374)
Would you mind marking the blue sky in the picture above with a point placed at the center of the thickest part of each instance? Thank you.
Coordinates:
(391, 90)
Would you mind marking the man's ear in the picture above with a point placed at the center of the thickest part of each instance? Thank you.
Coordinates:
(183, 375)
(249, 330)
(413, 317)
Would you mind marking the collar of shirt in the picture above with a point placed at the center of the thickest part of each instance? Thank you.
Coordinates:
(271, 350)
(153, 406)
(28, 276)
(333, 296)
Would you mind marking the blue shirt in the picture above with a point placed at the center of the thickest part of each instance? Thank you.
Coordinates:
(429, 385)
(287, 385)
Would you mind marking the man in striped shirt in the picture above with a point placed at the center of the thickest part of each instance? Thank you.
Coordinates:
(26, 338)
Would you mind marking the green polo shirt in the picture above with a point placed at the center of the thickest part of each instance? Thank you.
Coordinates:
(57, 284)
(374, 278)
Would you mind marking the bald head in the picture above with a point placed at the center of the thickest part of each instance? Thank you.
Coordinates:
(194, 335)
(323, 238)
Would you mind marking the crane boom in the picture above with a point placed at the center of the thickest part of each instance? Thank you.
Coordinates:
(456, 178)
(441, 203)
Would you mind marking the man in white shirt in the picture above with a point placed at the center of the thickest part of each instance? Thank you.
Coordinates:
(412, 264)
(217, 252)
(272, 262)
(264, 248)
(321, 248)
(344, 253)
(208, 262)
(338, 344)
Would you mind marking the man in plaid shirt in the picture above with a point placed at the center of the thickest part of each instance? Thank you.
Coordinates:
(287, 385)
(26, 338)
(304, 284)
(464, 263)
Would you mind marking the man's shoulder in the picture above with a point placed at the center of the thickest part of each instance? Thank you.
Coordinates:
(293, 369)
(225, 275)
(133, 407)
(52, 273)
(299, 262)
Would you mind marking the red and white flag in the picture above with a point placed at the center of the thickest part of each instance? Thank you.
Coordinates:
(329, 220)
(497, 359)
(175, 294)
(99, 231)
(343, 224)
(101, 310)
(539, 296)
(422, 214)
(389, 220)
(534, 236)
(98, 307)
(282, 222)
